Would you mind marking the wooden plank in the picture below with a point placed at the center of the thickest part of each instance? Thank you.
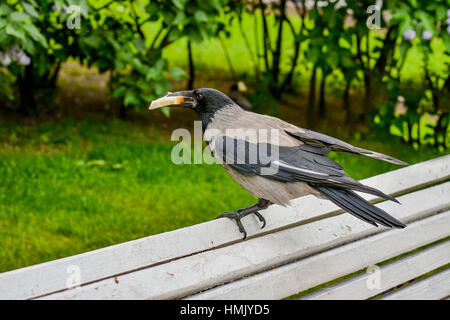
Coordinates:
(307, 273)
(434, 287)
(391, 275)
(115, 260)
(206, 269)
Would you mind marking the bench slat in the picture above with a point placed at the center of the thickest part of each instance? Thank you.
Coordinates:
(118, 259)
(434, 287)
(203, 270)
(307, 273)
(391, 275)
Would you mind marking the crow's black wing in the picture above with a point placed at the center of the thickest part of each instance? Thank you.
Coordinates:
(321, 141)
(287, 164)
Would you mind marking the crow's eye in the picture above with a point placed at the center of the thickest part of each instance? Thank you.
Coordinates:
(199, 96)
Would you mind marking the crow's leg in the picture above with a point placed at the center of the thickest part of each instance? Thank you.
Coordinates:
(253, 209)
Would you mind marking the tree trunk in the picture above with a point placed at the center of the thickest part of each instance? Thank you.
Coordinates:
(253, 57)
(346, 102)
(123, 114)
(386, 53)
(367, 74)
(277, 53)
(288, 80)
(27, 106)
(441, 130)
(227, 56)
(54, 77)
(368, 103)
(191, 67)
(312, 98)
(266, 37)
(322, 102)
(257, 49)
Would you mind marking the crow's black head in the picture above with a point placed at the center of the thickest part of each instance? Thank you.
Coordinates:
(204, 101)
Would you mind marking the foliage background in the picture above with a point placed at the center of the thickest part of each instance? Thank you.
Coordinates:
(83, 165)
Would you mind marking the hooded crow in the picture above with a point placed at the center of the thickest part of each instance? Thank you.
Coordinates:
(276, 161)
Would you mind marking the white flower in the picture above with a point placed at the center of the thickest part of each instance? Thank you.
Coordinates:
(18, 55)
(309, 4)
(448, 29)
(5, 59)
(15, 52)
(24, 60)
(387, 15)
(340, 4)
(448, 13)
(409, 35)
(427, 35)
(448, 20)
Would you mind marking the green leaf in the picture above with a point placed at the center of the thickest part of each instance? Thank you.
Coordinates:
(178, 73)
(119, 92)
(92, 40)
(35, 34)
(139, 44)
(179, 3)
(131, 98)
(14, 31)
(446, 39)
(426, 19)
(441, 13)
(159, 65)
(166, 111)
(413, 3)
(58, 5)
(180, 18)
(19, 16)
(30, 10)
(216, 4)
(5, 10)
(152, 74)
(201, 16)
(113, 42)
(28, 46)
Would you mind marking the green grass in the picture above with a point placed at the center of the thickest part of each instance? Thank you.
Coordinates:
(70, 187)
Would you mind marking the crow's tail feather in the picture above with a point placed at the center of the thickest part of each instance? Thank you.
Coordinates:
(360, 208)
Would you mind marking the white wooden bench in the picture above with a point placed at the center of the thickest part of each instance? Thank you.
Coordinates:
(302, 247)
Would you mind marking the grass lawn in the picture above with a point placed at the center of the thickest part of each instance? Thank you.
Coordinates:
(73, 186)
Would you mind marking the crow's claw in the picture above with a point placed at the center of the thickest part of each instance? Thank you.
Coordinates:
(261, 218)
(237, 218)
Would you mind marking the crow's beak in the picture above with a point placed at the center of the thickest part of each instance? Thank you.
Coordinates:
(180, 98)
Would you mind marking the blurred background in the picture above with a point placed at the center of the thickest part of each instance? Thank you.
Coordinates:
(84, 164)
